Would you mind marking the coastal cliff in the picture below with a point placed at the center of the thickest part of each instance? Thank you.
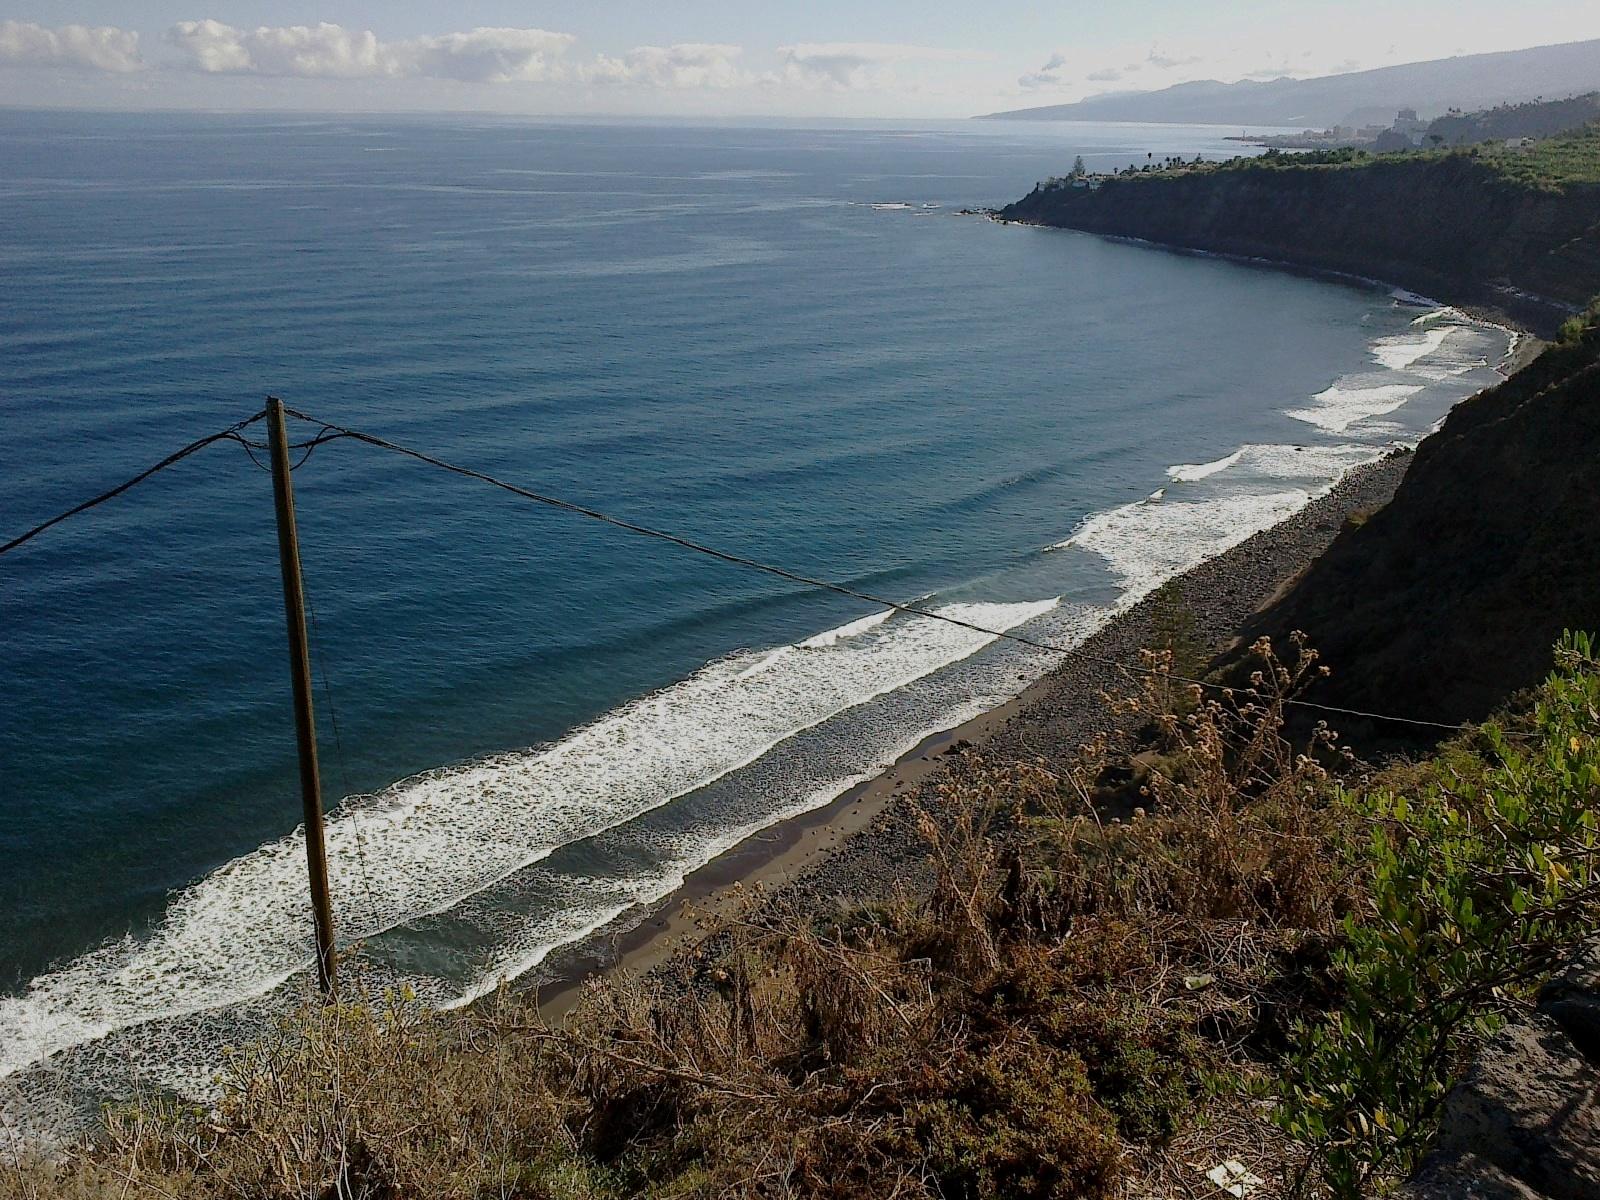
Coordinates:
(1459, 226)
(1447, 599)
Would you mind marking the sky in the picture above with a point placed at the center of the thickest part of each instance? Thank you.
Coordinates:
(721, 58)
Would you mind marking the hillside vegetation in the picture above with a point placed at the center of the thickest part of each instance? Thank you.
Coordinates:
(1567, 161)
(1278, 957)
(1514, 229)
(1532, 119)
(1556, 163)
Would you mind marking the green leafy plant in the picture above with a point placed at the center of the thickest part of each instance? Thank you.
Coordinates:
(1576, 326)
(1481, 880)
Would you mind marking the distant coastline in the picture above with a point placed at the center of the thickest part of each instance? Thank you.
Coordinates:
(1523, 339)
(1497, 232)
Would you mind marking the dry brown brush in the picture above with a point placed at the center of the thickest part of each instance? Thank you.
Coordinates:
(1066, 1013)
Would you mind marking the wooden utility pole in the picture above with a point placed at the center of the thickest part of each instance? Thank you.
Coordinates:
(305, 725)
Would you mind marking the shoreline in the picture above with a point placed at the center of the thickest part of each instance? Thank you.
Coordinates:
(1519, 327)
(863, 844)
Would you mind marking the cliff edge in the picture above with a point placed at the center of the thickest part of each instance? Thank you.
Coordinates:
(1497, 228)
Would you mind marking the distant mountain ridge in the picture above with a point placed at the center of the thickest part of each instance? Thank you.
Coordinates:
(1466, 82)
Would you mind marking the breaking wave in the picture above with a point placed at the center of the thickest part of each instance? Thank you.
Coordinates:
(1149, 542)
(1193, 472)
(1402, 349)
(1337, 408)
(425, 844)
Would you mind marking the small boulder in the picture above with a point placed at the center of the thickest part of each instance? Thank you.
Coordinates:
(1530, 1106)
(1464, 1177)
(1572, 999)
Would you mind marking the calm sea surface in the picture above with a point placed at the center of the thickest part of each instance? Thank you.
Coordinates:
(782, 340)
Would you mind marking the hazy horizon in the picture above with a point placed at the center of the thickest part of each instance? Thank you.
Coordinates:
(705, 58)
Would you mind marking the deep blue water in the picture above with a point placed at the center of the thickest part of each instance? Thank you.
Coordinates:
(782, 340)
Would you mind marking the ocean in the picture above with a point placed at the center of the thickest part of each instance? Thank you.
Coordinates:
(781, 339)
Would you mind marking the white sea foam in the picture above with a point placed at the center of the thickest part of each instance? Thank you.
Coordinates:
(1440, 314)
(779, 790)
(832, 637)
(604, 900)
(1147, 543)
(1150, 541)
(427, 843)
(1318, 467)
(1339, 407)
(1194, 472)
(1264, 467)
(1402, 349)
(1412, 298)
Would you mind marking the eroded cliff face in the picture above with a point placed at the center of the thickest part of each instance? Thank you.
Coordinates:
(1449, 599)
(1449, 227)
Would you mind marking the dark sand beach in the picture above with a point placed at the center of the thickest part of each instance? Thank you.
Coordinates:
(864, 844)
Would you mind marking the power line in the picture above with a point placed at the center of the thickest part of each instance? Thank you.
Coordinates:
(740, 560)
(308, 446)
(231, 433)
(329, 432)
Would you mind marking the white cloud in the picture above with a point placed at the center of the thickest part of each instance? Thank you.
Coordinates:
(1165, 62)
(333, 52)
(1284, 68)
(1052, 74)
(1055, 75)
(315, 51)
(486, 55)
(685, 65)
(858, 64)
(97, 48)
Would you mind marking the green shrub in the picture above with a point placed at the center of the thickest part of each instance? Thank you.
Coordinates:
(1481, 880)
(1576, 326)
